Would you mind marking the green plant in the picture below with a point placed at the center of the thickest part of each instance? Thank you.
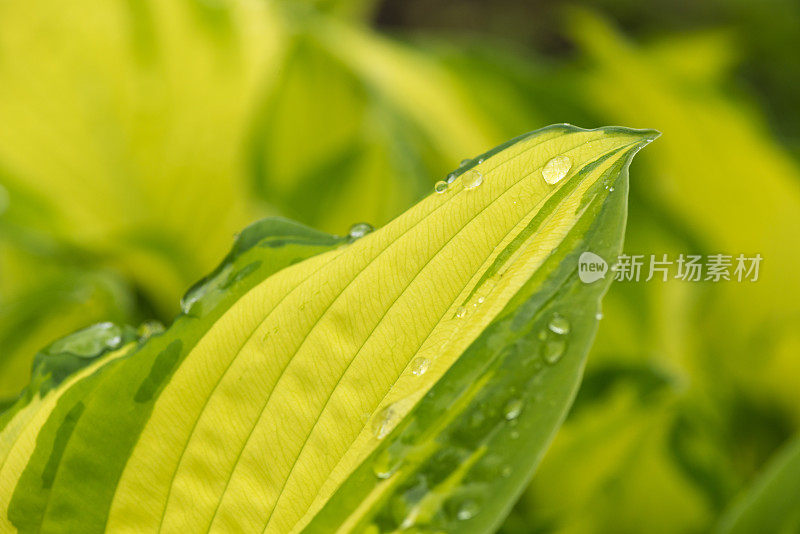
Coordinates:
(367, 382)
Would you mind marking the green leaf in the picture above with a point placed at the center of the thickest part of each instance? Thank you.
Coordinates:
(67, 366)
(413, 375)
(770, 504)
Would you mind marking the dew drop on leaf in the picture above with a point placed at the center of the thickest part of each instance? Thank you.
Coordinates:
(559, 325)
(472, 179)
(554, 350)
(385, 421)
(419, 366)
(461, 312)
(359, 230)
(206, 293)
(450, 178)
(465, 162)
(467, 510)
(513, 409)
(385, 465)
(149, 329)
(89, 342)
(440, 187)
(556, 169)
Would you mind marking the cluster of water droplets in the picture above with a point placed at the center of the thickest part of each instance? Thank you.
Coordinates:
(555, 170)
(469, 307)
(470, 179)
(423, 498)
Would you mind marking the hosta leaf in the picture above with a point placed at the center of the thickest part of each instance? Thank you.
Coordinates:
(771, 504)
(67, 365)
(414, 376)
(281, 242)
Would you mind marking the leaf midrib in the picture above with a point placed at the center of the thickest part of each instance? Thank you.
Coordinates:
(333, 301)
(388, 245)
(541, 203)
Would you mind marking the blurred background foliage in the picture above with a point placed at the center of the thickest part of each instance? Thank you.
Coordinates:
(136, 137)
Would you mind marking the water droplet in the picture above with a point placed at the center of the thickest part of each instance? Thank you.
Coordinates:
(241, 274)
(54, 363)
(450, 178)
(554, 350)
(481, 300)
(88, 343)
(440, 187)
(610, 189)
(419, 366)
(481, 160)
(598, 315)
(206, 291)
(385, 421)
(556, 169)
(385, 465)
(472, 179)
(465, 162)
(359, 230)
(461, 312)
(149, 329)
(467, 510)
(513, 409)
(559, 325)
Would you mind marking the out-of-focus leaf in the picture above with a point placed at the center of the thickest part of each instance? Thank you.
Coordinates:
(743, 321)
(121, 155)
(604, 468)
(124, 122)
(771, 503)
(357, 125)
(56, 302)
